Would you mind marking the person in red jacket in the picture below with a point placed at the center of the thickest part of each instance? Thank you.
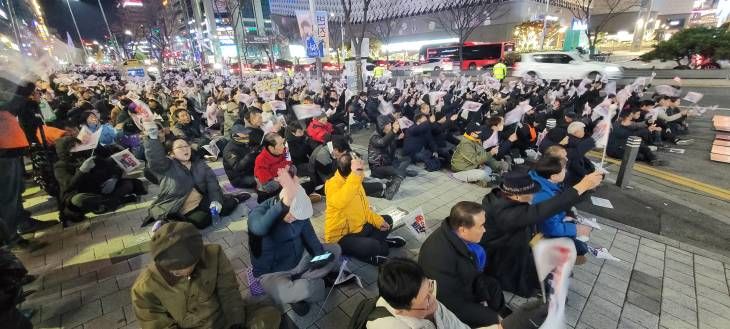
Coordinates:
(273, 156)
(319, 130)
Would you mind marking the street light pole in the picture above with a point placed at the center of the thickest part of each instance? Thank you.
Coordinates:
(544, 24)
(111, 36)
(318, 60)
(78, 32)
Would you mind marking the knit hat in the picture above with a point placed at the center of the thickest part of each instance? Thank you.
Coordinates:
(518, 182)
(473, 128)
(176, 245)
(301, 205)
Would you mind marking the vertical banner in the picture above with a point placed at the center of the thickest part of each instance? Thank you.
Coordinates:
(323, 32)
(306, 26)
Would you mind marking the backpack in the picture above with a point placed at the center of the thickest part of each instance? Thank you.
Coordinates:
(367, 311)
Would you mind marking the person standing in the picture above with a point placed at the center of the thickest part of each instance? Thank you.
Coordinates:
(499, 70)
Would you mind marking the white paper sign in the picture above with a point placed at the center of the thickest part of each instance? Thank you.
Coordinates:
(693, 97)
(305, 111)
(416, 223)
(126, 160)
(88, 139)
(601, 202)
(471, 106)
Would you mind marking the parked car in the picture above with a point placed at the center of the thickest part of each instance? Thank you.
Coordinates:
(563, 65)
(435, 64)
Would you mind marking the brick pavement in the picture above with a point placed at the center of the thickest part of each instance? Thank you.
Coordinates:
(86, 272)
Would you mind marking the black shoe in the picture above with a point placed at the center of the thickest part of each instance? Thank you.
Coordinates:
(31, 225)
(21, 244)
(130, 198)
(395, 242)
(330, 278)
(411, 173)
(377, 260)
(300, 308)
(241, 198)
(392, 188)
(66, 217)
(504, 311)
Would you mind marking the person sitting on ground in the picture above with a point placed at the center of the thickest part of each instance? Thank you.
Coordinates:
(192, 285)
(279, 233)
(549, 173)
(419, 144)
(471, 162)
(186, 129)
(324, 159)
(510, 226)
(555, 136)
(298, 143)
(350, 221)
(621, 132)
(453, 257)
(319, 130)
(504, 145)
(189, 189)
(381, 150)
(408, 300)
(267, 164)
(578, 146)
(239, 156)
(91, 184)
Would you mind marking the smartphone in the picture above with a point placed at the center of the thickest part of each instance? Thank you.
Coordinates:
(321, 257)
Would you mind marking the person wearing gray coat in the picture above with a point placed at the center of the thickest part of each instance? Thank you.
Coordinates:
(189, 189)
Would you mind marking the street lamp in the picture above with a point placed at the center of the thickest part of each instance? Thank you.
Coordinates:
(128, 32)
(73, 18)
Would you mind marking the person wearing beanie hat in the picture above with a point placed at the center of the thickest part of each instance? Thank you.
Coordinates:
(279, 233)
(511, 219)
(408, 300)
(192, 285)
(471, 163)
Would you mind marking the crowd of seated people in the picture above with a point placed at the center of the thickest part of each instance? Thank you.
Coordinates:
(181, 123)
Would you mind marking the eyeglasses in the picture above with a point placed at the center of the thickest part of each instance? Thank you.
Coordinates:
(431, 289)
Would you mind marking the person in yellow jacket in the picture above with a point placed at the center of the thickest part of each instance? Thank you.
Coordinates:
(499, 70)
(349, 220)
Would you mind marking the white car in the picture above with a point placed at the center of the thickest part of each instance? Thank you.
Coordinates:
(435, 64)
(562, 65)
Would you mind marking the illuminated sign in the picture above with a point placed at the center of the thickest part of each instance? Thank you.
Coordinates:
(3, 14)
(132, 3)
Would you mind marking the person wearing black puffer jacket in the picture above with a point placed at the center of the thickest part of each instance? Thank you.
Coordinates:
(239, 156)
(381, 150)
(512, 221)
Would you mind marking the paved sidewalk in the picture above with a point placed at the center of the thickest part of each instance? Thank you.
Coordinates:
(86, 272)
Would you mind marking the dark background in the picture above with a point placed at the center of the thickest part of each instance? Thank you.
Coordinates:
(88, 16)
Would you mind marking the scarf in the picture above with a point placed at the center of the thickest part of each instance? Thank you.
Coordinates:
(480, 254)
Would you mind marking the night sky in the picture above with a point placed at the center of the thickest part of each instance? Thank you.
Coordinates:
(88, 17)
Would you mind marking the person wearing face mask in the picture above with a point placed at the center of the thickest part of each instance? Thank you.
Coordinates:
(408, 301)
(283, 243)
(91, 122)
(91, 183)
(495, 125)
(192, 285)
(510, 225)
(189, 189)
(239, 156)
(453, 257)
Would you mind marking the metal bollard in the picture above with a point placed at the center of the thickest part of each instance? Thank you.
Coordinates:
(627, 163)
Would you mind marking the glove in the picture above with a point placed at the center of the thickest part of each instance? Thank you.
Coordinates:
(87, 165)
(151, 130)
(217, 206)
(108, 186)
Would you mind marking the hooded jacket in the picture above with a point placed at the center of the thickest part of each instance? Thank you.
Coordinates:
(238, 160)
(347, 209)
(177, 181)
(210, 299)
(382, 146)
(71, 180)
(509, 227)
(419, 137)
(469, 154)
(554, 226)
(276, 245)
(445, 258)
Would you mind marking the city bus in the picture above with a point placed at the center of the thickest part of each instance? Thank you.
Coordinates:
(477, 55)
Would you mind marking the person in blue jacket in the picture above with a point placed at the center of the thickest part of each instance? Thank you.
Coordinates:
(282, 244)
(549, 173)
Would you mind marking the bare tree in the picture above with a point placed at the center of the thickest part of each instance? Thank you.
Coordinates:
(383, 31)
(465, 16)
(164, 23)
(608, 9)
(356, 35)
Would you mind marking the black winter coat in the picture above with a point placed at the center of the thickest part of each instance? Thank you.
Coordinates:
(509, 227)
(238, 160)
(578, 164)
(445, 258)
